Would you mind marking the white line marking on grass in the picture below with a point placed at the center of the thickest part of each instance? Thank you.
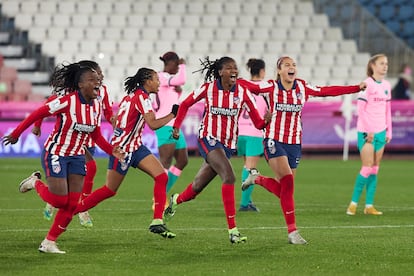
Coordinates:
(97, 229)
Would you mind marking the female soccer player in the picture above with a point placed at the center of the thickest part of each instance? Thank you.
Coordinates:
(103, 98)
(78, 117)
(250, 140)
(171, 79)
(283, 135)
(224, 99)
(374, 131)
(135, 110)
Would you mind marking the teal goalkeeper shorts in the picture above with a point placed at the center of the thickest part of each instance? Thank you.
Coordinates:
(249, 146)
(378, 142)
(164, 137)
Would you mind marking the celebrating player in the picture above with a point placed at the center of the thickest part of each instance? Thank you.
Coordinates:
(224, 99)
(283, 135)
(78, 117)
(135, 110)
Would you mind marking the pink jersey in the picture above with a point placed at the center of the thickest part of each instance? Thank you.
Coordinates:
(222, 111)
(246, 126)
(130, 121)
(76, 120)
(167, 96)
(286, 105)
(374, 107)
(106, 105)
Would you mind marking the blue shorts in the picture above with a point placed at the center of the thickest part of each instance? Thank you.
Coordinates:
(92, 150)
(273, 148)
(164, 137)
(249, 146)
(378, 142)
(206, 145)
(132, 159)
(62, 166)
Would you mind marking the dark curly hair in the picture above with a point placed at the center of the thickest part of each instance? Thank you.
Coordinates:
(138, 79)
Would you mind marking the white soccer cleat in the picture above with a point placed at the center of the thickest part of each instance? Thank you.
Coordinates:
(29, 183)
(253, 174)
(48, 246)
(85, 219)
(295, 238)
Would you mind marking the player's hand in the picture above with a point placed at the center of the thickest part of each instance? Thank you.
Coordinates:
(362, 86)
(36, 131)
(181, 61)
(8, 139)
(267, 117)
(176, 133)
(119, 153)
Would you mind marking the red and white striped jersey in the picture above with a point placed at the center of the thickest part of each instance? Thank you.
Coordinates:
(106, 105)
(75, 121)
(286, 106)
(222, 111)
(130, 121)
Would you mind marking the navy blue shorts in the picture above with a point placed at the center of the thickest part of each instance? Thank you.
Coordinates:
(62, 166)
(273, 148)
(206, 145)
(132, 159)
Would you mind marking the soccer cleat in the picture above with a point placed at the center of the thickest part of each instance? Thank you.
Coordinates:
(295, 238)
(351, 209)
(85, 219)
(48, 211)
(253, 174)
(372, 211)
(249, 207)
(172, 207)
(28, 183)
(48, 246)
(235, 236)
(162, 230)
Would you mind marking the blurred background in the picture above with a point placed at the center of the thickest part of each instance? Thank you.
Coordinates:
(330, 40)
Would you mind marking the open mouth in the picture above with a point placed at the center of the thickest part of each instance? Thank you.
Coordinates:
(291, 74)
(233, 77)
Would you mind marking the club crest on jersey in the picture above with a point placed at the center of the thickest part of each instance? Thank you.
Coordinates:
(237, 100)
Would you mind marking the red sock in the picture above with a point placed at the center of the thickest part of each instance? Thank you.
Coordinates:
(287, 201)
(63, 217)
(187, 195)
(57, 201)
(94, 198)
(88, 181)
(160, 195)
(269, 184)
(227, 195)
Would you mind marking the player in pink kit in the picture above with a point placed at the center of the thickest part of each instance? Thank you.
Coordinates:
(374, 131)
(224, 99)
(283, 135)
(250, 143)
(78, 116)
(135, 110)
(171, 78)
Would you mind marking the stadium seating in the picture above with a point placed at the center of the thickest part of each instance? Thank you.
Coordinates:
(129, 34)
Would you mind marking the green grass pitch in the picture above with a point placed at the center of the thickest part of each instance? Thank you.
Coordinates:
(120, 243)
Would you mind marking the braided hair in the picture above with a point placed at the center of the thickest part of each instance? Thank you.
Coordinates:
(213, 67)
(142, 75)
(66, 77)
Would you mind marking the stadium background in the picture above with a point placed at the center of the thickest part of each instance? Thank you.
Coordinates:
(331, 41)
